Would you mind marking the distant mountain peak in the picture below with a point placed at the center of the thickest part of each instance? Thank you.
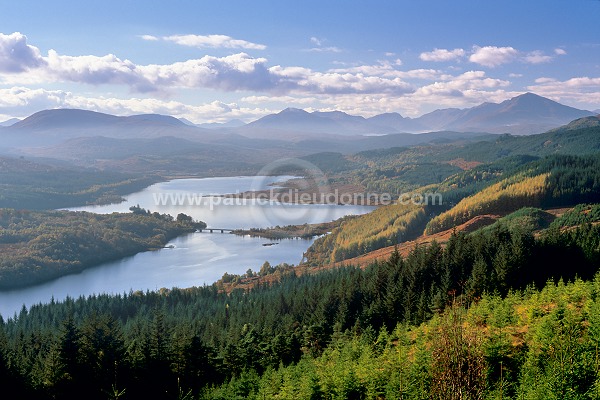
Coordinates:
(63, 117)
(187, 121)
(9, 122)
(78, 118)
(293, 110)
(529, 95)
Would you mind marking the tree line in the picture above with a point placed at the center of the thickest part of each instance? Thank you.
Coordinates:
(41, 245)
(203, 342)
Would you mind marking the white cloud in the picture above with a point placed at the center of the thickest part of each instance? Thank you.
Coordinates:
(577, 91)
(149, 37)
(235, 72)
(16, 55)
(441, 55)
(320, 46)
(387, 69)
(231, 73)
(22, 102)
(330, 49)
(544, 80)
(560, 52)
(492, 56)
(513, 75)
(213, 41)
(358, 89)
(95, 70)
(363, 80)
(285, 100)
(537, 57)
(465, 90)
(457, 85)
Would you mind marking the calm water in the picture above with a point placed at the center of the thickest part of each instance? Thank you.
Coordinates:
(195, 259)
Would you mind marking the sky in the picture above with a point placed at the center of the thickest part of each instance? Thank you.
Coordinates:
(214, 61)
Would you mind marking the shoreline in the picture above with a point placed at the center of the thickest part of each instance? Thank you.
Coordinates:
(304, 231)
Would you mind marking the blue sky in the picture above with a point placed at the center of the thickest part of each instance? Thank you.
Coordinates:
(216, 61)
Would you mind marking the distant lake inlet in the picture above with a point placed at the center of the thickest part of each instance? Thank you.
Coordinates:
(194, 259)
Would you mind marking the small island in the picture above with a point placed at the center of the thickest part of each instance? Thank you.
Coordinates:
(304, 231)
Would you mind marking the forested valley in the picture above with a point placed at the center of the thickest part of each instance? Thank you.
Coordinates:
(508, 310)
(309, 200)
(482, 315)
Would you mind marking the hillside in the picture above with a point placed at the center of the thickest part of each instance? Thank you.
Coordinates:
(497, 188)
(550, 182)
(39, 246)
(392, 327)
(38, 185)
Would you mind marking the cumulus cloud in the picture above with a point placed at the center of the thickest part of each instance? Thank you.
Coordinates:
(213, 41)
(579, 90)
(537, 57)
(237, 72)
(492, 56)
(464, 90)
(560, 52)
(441, 55)
(16, 55)
(231, 73)
(388, 69)
(459, 85)
(361, 80)
(95, 70)
(359, 89)
(22, 102)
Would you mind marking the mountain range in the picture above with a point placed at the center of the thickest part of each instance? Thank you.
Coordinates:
(524, 114)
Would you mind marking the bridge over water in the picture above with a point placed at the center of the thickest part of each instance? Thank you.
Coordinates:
(216, 230)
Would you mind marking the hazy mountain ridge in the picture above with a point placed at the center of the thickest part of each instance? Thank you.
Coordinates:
(50, 127)
(234, 123)
(9, 122)
(303, 130)
(524, 114)
(527, 113)
(66, 117)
